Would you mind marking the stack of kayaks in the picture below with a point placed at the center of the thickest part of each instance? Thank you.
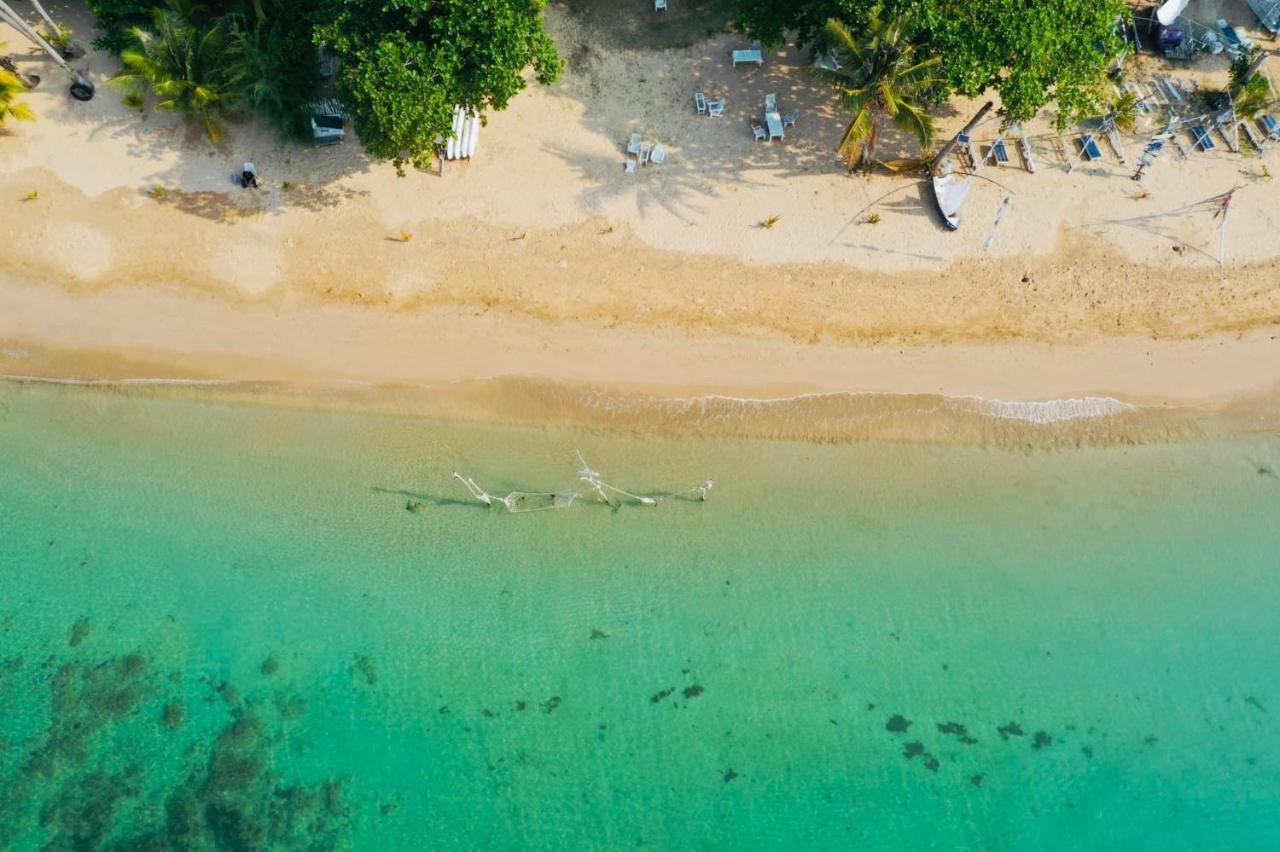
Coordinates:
(464, 136)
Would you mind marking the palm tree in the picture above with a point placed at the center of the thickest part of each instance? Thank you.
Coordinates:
(183, 66)
(879, 73)
(10, 88)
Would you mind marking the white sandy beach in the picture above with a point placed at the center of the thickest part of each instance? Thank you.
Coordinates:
(542, 259)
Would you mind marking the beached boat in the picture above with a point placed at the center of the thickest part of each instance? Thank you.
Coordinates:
(949, 193)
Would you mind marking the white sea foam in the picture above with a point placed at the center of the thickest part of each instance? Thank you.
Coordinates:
(1051, 411)
(719, 406)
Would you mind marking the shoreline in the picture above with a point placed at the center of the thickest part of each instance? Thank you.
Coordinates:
(538, 280)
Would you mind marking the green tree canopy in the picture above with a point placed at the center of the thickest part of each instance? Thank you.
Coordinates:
(404, 64)
(1031, 51)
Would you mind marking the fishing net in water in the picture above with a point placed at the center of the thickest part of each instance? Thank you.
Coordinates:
(531, 501)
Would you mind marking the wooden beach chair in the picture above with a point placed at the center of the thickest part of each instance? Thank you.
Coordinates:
(966, 145)
(1089, 147)
(1024, 147)
(1251, 133)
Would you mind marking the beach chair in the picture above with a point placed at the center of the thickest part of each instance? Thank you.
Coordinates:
(1117, 144)
(789, 120)
(715, 108)
(1089, 147)
(754, 55)
(629, 167)
(633, 146)
(770, 103)
(1226, 124)
(1024, 147)
(759, 132)
(1251, 133)
(645, 150)
(1203, 141)
(999, 152)
(700, 101)
(1271, 126)
(659, 5)
(658, 155)
(966, 145)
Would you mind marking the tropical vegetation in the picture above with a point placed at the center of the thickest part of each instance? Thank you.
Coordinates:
(1031, 53)
(880, 73)
(10, 88)
(1250, 89)
(402, 65)
(183, 62)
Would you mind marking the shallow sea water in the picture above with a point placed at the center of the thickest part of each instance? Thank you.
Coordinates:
(221, 627)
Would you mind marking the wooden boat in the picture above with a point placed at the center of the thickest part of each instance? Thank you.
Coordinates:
(949, 193)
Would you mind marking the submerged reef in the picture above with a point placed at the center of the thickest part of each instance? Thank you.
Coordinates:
(120, 763)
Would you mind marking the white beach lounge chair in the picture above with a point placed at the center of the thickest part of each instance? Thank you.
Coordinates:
(759, 132)
(658, 155)
(633, 146)
(645, 150)
(629, 167)
(789, 120)
(700, 101)
(715, 108)
(659, 5)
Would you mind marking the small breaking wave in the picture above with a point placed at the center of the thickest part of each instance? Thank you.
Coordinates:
(1052, 410)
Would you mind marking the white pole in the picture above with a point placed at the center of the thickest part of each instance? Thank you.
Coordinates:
(44, 14)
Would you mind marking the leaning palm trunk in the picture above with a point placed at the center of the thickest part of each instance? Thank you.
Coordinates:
(73, 50)
(81, 88)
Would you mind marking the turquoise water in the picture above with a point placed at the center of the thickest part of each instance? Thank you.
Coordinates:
(220, 627)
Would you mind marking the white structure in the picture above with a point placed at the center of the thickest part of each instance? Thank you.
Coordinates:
(465, 136)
